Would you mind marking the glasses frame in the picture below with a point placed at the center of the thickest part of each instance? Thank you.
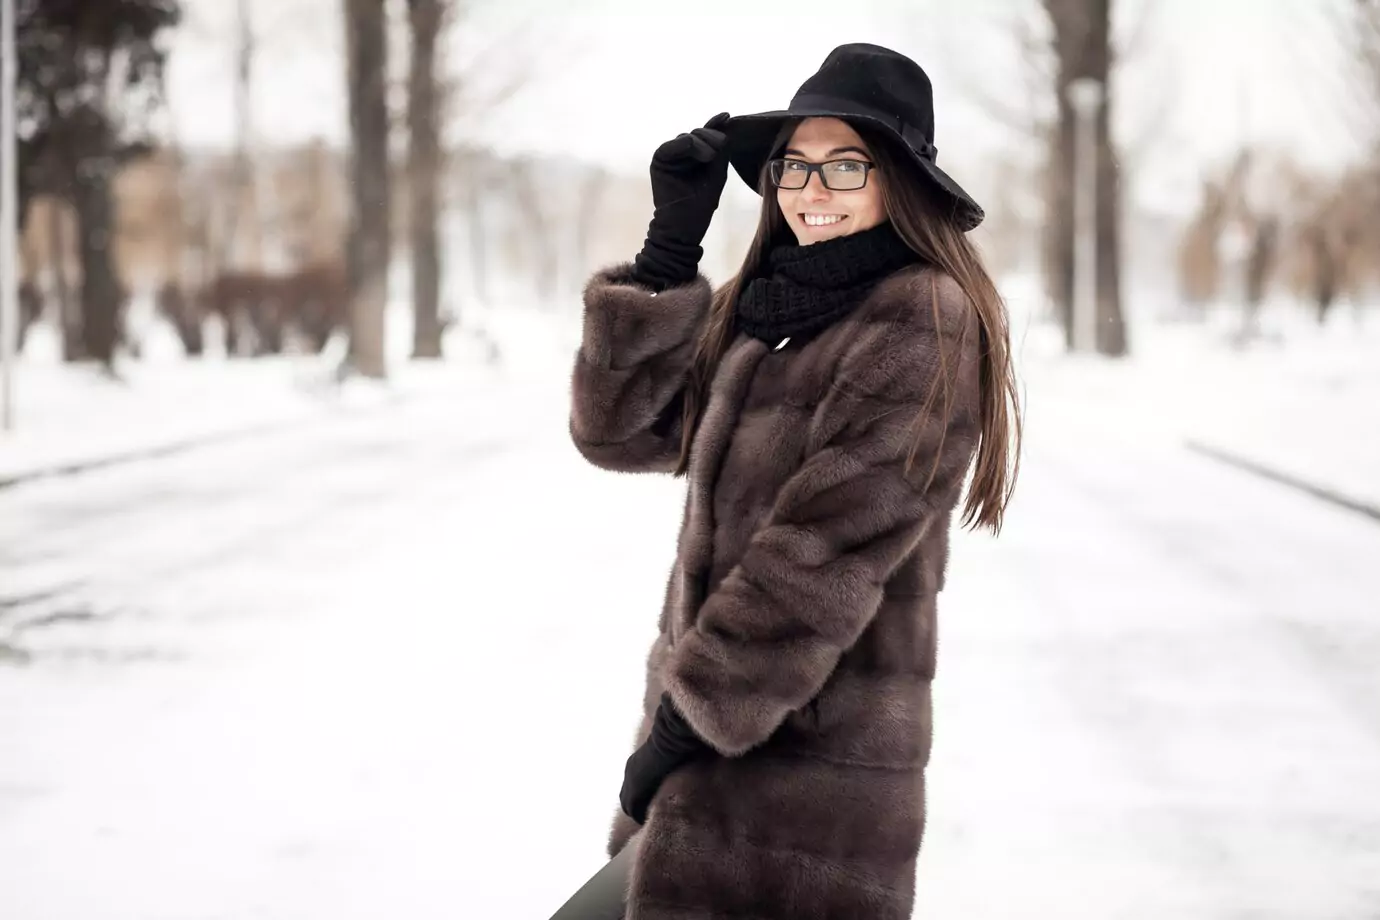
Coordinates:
(812, 168)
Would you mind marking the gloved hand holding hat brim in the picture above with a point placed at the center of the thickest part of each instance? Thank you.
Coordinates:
(688, 175)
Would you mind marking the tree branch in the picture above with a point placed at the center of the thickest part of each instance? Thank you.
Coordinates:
(1033, 52)
(1136, 41)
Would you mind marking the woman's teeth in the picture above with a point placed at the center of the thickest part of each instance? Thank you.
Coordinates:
(821, 220)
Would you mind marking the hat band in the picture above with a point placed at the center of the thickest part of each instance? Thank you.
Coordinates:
(913, 136)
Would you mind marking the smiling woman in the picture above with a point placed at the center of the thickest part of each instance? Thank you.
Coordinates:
(825, 404)
(842, 200)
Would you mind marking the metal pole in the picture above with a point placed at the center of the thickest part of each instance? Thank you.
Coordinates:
(1085, 94)
(9, 218)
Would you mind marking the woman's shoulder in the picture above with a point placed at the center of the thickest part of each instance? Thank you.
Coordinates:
(904, 331)
(920, 297)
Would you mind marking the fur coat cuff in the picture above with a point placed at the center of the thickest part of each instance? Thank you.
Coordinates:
(630, 373)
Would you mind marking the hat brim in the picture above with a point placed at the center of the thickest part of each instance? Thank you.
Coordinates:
(750, 139)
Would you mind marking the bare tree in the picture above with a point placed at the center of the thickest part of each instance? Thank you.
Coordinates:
(1082, 45)
(538, 231)
(1023, 107)
(483, 79)
(1262, 187)
(1259, 268)
(472, 177)
(1361, 34)
(1335, 238)
(1062, 41)
(1365, 185)
(1200, 246)
(1199, 274)
(243, 181)
(1320, 248)
(90, 77)
(69, 319)
(424, 174)
(369, 244)
(592, 190)
(487, 69)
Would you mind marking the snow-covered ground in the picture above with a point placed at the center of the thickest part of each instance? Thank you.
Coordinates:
(74, 418)
(388, 663)
(1302, 402)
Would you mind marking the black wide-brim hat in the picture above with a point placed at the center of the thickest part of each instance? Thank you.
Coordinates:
(858, 82)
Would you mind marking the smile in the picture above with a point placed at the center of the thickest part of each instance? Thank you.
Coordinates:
(821, 220)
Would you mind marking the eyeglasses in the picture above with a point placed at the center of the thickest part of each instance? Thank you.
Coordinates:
(837, 175)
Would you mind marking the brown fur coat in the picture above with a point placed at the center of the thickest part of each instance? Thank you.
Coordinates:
(798, 631)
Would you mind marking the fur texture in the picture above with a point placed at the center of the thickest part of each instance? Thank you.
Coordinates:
(798, 630)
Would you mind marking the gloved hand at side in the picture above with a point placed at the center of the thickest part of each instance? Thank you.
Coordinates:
(671, 745)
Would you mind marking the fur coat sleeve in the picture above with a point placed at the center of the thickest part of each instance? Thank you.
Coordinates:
(768, 637)
(631, 369)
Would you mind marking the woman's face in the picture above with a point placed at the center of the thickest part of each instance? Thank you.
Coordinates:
(816, 213)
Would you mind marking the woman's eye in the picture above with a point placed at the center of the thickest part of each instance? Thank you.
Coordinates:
(848, 166)
(794, 166)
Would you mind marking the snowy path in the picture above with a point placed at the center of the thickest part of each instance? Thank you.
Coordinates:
(1159, 698)
(374, 669)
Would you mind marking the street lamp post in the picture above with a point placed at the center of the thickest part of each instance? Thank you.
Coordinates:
(9, 216)
(1085, 95)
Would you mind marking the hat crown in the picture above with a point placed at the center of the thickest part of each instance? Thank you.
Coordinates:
(876, 78)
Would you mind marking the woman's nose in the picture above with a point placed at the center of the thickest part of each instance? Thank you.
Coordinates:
(814, 188)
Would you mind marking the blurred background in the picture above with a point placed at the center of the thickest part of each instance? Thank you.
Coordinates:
(308, 607)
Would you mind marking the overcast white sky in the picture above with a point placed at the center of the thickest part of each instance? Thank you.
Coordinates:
(618, 76)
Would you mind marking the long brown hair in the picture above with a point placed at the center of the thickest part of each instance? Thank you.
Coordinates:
(918, 213)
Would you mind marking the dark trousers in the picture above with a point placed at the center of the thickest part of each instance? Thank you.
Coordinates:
(603, 896)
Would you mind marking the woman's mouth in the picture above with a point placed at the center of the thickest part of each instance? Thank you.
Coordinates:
(820, 220)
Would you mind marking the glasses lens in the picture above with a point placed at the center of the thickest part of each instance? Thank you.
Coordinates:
(789, 174)
(845, 175)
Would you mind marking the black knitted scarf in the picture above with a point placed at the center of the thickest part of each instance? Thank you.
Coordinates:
(812, 287)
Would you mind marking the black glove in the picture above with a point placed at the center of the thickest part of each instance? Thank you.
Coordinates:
(688, 176)
(671, 745)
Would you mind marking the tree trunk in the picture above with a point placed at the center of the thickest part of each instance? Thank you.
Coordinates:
(592, 192)
(242, 182)
(539, 234)
(424, 163)
(1325, 273)
(365, 25)
(67, 321)
(1060, 224)
(1082, 45)
(1111, 322)
(1259, 265)
(101, 294)
(477, 231)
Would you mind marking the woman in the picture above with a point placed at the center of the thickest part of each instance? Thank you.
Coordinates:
(825, 405)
